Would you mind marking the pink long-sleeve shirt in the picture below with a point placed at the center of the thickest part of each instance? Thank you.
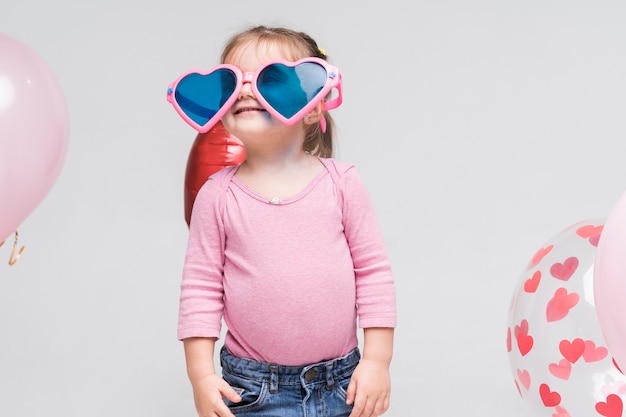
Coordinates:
(289, 279)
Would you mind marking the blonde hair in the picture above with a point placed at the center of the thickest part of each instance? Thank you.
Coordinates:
(300, 45)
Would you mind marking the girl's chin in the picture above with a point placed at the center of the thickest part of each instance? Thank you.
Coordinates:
(252, 125)
(251, 117)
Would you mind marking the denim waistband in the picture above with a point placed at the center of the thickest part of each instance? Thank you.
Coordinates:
(321, 372)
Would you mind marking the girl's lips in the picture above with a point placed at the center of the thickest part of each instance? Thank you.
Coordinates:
(247, 109)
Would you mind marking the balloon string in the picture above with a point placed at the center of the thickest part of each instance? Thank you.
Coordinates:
(14, 257)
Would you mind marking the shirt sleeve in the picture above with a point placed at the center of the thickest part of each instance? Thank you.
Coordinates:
(201, 294)
(375, 290)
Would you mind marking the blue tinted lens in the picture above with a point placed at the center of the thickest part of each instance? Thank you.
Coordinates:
(201, 96)
(289, 89)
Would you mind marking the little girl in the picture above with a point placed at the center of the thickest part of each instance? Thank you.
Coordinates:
(285, 247)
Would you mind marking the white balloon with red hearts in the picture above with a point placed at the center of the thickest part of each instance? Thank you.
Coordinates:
(560, 363)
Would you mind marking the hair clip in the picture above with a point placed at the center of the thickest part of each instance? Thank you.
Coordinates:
(322, 50)
(13, 258)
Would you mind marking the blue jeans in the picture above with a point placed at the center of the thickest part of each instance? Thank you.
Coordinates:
(268, 390)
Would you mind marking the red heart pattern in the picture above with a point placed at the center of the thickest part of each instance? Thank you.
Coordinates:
(589, 230)
(594, 240)
(549, 398)
(524, 340)
(560, 304)
(562, 369)
(560, 412)
(524, 377)
(540, 255)
(532, 283)
(618, 388)
(593, 353)
(565, 270)
(572, 351)
(612, 407)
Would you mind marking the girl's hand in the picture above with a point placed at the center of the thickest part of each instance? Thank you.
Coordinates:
(369, 389)
(208, 393)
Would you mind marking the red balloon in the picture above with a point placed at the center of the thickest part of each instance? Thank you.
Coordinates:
(210, 152)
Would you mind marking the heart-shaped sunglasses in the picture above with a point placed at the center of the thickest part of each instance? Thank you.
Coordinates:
(287, 90)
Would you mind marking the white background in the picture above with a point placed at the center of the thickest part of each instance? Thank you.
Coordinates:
(482, 129)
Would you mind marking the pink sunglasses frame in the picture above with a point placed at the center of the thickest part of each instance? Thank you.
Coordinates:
(333, 81)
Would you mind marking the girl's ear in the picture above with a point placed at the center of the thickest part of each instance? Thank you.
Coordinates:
(314, 115)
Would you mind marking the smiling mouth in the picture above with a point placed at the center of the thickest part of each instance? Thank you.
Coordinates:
(248, 109)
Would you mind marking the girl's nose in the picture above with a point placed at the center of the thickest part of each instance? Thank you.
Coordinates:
(246, 87)
(246, 91)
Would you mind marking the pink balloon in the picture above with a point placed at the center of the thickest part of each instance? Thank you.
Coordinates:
(610, 282)
(34, 132)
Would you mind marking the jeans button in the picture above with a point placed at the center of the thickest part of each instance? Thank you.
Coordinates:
(310, 374)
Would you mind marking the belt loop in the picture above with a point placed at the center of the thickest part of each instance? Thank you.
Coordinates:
(330, 382)
(273, 379)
